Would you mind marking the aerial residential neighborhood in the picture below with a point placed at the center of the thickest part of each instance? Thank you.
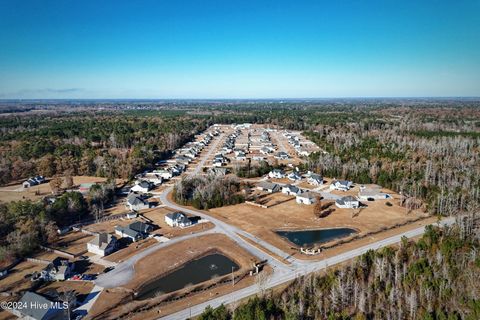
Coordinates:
(239, 160)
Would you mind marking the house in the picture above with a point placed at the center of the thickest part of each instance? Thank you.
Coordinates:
(34, 181)
(294, 176)
(277, 174)
(142, 186)
(164, 174)
(58, 269)
(183, 160)
(291, 190)
(315, 179)
(258, 158)
(177, 219)
(372, 193)
(103, 244)
(135, 231)
(306, 198)
(154, 178)
(34, 306)
(217, 171)
(135, 202)
(178, 169)
(347, 202)
(304, 153)
(268, 187)
(282, 155)
(241, 156)
(343, 185)
(265, 150)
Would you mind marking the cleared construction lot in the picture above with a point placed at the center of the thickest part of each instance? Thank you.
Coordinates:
(283, 213)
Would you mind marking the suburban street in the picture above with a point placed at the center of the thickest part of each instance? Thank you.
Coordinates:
(285, 269)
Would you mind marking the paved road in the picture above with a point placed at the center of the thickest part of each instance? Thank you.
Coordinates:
(282, 272)
(211, 149)
(125, 270)
(303, 269)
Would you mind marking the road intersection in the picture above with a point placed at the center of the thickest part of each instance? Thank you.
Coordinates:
(285, 266)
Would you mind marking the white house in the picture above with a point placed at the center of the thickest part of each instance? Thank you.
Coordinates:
(343, 185)
(33, 181)
(135, 202)
(347, 202)
(306, 198)
(153, 178)
(372, 193)
(282, 155)
(164, 174)
(142, 186)
(265, 150)
(277, 174)
(241, 156)
(294, 176)
(268, 187)
(103, 244)
(291, 190)
(177, 219)
(315, 179)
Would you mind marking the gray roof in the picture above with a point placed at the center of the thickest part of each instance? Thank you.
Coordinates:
(140, 226)
(134, 199)
(30, 299)
(316, 176)
(292, 188)
(102, 240)
(343, 182)
(345, 199)
(176, 215)
(268, 185)
(129, 232)
(145, 184)
(308, 195)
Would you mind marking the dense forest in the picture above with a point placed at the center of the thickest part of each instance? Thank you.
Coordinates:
(205, 192)
(433, 278)
(86, 143)
(427, 150)
(25, 225)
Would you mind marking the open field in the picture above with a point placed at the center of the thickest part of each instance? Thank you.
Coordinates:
(17, 192)
(285, 214)
(166, 260)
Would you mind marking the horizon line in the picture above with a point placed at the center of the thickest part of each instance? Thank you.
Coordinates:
(244, 99)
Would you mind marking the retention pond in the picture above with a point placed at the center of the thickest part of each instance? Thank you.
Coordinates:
(308, 238)
(191, 273)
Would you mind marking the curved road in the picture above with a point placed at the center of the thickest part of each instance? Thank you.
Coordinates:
(282, 272)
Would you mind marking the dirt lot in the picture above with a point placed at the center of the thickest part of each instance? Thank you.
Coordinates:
(73, 242)
(130, 250)
(17, 192)
(15, 281)
(287, 214)
(168, 259)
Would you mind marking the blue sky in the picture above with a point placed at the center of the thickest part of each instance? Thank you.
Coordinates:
(238, 49)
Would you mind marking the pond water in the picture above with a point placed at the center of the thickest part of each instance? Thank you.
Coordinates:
(310, 237)
(191, 273)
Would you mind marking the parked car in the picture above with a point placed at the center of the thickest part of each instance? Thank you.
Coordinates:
(88, 277)
(108, 269)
